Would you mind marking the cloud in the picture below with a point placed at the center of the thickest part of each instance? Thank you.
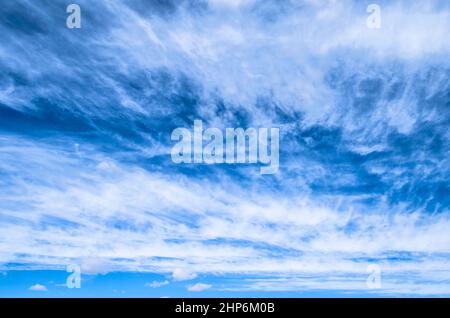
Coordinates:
(86, 175)
(156, 284)
(38, 287)
(94, 266)
(183, 274)
(199, 287)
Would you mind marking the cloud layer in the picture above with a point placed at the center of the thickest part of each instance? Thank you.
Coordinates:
(86, 116)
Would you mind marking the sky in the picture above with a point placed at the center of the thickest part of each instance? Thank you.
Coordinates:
(87, 179)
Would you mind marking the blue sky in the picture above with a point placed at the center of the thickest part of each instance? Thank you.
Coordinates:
(86, 175)
(125, 285)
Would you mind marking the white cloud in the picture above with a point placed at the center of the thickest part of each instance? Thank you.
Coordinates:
(312, 233)
(198, 287)
(38, 287)
(133, 219)
(94, 266)
(183, 274)
(156, 284)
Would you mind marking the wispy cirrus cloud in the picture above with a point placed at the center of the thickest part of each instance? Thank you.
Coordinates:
(156, 284)
(199, 287)
(86, 117)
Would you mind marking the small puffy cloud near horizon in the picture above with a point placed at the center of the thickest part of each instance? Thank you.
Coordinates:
(156, 284)
(38, 287)
(198, 287)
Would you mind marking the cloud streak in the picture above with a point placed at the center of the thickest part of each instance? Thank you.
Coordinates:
(86, 117)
